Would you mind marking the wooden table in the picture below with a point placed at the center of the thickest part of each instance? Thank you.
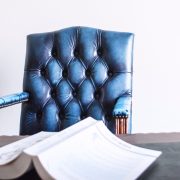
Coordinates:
(167, 167)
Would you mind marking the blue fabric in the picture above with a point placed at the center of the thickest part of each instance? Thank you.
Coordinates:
(13, 99)
(74, 73)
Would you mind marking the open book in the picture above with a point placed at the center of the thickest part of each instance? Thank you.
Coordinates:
(84, 151)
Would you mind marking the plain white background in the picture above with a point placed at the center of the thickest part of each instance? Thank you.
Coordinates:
(156, 24)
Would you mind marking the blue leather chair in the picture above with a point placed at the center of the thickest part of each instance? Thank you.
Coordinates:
(74, 73)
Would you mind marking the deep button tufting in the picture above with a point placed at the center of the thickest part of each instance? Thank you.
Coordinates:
(88, 73)
(65, 73)
(43, 72)
(62, 115)
(110, 73)
(76, 52)
(54, 56)
(83, 116)
(39, 115)
(97, 95)
(74, 93)
(108, 117)
(53, 93)
(54, 53)
(100, 52)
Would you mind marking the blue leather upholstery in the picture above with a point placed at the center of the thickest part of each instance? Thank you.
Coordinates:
(13, 99)
(122, 106)
(74, 73)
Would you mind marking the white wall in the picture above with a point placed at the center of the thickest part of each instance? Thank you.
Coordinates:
(156, 53)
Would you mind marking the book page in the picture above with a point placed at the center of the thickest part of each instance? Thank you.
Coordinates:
(60, 136)
(11, 151)
(94, 153)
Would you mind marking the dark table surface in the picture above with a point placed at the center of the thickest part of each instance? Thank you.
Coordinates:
(141, 138)
(167, 167)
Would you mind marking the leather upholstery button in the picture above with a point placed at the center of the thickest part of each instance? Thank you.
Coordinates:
(62, 115)
(74, 93)
(99, 52)
(110, 73)
(107, 117)
(97, 95)
(54, 54)
(88, 73)
(39, 115)
(76, 53)
(65, 73)
(83, 116)
(53, 93)
(43, 72)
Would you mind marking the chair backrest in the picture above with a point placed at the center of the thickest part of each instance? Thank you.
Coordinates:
(74, 73)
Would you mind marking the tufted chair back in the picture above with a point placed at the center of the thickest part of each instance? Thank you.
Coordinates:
(74, 73)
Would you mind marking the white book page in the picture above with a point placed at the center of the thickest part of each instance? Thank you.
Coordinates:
(122, 144)
(11, 151)
(91, 155)
(60, 136)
